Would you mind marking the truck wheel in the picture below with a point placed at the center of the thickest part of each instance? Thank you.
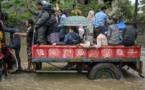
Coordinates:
(104, 71)
(38, 65)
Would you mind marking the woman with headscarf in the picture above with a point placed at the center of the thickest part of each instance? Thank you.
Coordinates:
(91, 15)
(89, 30)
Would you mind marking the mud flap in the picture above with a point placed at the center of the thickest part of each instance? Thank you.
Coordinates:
(141, 67)
(140, 70)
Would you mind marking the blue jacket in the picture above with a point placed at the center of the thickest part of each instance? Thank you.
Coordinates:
(71, 39)
(100, 19)
(15, 40)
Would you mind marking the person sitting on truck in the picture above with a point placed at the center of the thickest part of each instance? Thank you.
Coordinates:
(113, 34)
(15, 44)
(99, 37)
(72, 38)
(130, 35)
(98, 40)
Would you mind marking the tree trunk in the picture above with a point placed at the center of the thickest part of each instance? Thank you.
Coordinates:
(136, 7)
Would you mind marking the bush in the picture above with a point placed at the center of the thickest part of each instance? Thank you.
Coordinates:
(16, 10)
(125, 11)
(94, 5)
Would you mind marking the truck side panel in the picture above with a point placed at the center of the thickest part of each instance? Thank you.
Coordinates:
(73, 52)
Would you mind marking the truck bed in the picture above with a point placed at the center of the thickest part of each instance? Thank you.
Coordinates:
(49, 53)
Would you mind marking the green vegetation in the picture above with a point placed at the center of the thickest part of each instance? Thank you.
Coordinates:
(125, 10)
(94, 5)
(141, 17)
(17, 11)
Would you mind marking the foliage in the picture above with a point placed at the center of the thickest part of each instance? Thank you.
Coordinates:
(125, 10)
(68, 4)
(16, 10)
(143, 10)
(141, 18)
(94, 5)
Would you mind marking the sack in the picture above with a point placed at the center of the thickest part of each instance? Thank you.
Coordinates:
(53, 38)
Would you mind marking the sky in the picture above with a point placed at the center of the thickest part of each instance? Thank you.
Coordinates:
(133, 1)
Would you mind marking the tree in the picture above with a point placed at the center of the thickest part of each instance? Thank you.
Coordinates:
(93, 5)
(125, 11)
(141, 17)
(143, 9)
(16, 10)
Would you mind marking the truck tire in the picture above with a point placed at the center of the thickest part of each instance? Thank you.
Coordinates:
(105, 70)
(38, 65)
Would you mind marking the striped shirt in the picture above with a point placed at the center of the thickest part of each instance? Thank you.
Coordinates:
(113, 34)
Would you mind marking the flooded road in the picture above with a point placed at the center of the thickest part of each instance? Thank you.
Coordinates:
(25, 81)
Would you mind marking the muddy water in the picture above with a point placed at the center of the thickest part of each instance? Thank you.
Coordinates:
(24, 81)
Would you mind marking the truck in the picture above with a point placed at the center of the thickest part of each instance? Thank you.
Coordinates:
(105, 62)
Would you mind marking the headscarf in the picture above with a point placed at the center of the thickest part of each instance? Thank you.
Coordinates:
(90, 15)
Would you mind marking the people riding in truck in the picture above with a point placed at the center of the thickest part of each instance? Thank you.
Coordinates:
(99, 38)
(130, 35)
(101, 18)
(61, 18)
(72, 38)
(113, 34)
(46, 22)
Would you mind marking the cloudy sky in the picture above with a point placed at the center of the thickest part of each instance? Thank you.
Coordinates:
(133, 1)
